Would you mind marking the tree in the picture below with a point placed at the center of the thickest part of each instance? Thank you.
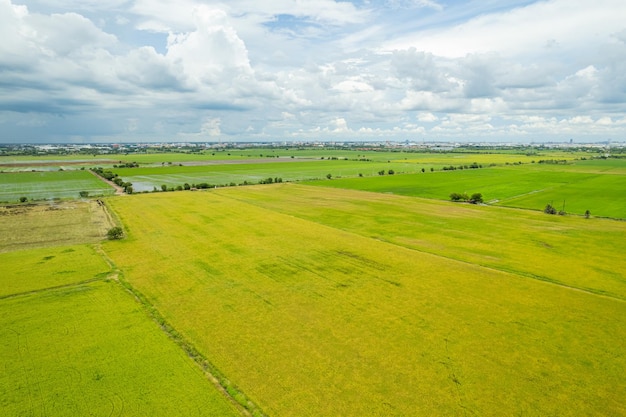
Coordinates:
(115, 233)
(23, 199)
(329, 176)
(549, 209)
(391, 172)
(459, 197)
(423, 169)
(587, 214)
(83, 194)
(476, 198)
(163, 187)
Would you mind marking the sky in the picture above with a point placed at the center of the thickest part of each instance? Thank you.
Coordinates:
(95, 71)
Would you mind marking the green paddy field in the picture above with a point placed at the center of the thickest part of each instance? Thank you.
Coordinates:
(46, 185)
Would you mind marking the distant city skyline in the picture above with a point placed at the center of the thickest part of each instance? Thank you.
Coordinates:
(286, 70)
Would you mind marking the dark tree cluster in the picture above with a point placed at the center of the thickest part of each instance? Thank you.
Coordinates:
(115, 233)
(114, 178)
(475, 198)
(550, 209)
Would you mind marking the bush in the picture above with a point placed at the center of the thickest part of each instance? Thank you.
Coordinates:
(476, 198)
(23, 199)
(549, 209)
(459, 197)
(115, 233)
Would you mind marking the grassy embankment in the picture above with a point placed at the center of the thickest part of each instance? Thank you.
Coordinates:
(73, 341)
(310, 314)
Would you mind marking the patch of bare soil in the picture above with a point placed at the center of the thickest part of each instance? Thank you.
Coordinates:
(24, 226)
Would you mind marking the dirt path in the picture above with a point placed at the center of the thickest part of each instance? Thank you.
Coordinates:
(118, 190)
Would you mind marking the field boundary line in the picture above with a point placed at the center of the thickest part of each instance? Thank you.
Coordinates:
(514, 273)
(56, 287)
(597, 293)
(238, 399)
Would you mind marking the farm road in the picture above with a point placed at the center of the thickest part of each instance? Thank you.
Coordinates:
(118, 190)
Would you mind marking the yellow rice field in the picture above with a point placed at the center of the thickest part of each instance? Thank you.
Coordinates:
(311, 318)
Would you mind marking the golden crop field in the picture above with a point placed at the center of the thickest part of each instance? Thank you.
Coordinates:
(569, 250)
(311, 314)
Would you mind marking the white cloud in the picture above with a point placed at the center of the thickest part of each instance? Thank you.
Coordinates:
(402, 4)
(524, 30)
(341, 126)
(211, 127)
(287, 68)
(426, 117)
(211, 49)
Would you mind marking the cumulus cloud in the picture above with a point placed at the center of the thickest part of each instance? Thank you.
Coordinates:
(210, 50)
(256, 70)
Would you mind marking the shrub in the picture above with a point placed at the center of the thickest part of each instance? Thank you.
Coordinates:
(115, 233)
(459, 197)
(476, 198)
(549, 209)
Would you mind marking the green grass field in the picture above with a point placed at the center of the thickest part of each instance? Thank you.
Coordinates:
(74, 341)
(148, 178)
(237, 166)
(572, 251)
(309, 317)
(586, 185)
(91, 350)
(380, 155)
(49, 185)
(31, 270)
